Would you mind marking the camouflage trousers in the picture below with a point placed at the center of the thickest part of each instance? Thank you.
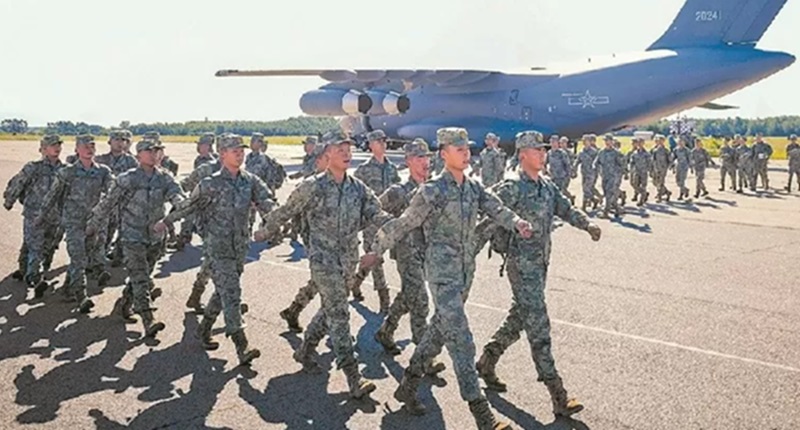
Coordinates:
(114, 247)
(412, 299)
(681, 172)
(378, 276)
(306, 294)
(86, 254)
(744, 176)
(563, 186)
(187, 227)
(140, 261)
(659, 180)
(449, 327)
(794, 171)
(204, 274)
(227, 298)
(333, 317)
(699, 180)
(761, 171)
(639, 183)
(610, 186)
(528, 312)
(38, 245)
(727, 170)
(588, 185)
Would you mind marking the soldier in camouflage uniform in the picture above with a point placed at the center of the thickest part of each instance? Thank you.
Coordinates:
(29, 186)
(306, 293)
(641, 166)
(610, 165)
(447, 209)
(225, 199)
(560, 168)
(681, 161)
(165, 161)
(205, 154)
(205, 150)
(437, 163)
(700, 160)
(139, 197)
(379, 174)
(762, 151)
(119, 162)
(622, 195)
(586, 162)
(77, 189)
(492, 164)
(337, 206)
(729, 160)
(265, 167)
(744, 156)
(793, 152)
(308, 167)
(536, 199)
(662, 160)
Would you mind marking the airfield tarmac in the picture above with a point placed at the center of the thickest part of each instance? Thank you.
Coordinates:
(684, 316)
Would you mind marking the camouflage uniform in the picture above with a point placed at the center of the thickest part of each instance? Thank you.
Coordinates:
(681, 160)
(378, 177)
(437, 164)
(610, 165)
(662, 160)
(205, 139)
(200, 159)
(76, 191)
(700, 160)
(762, 151)
(30, 186)
(560, 168)
(224, 200)
(492, 166)
(447, 212)
(139, 198)
(744, 155)
(728, 156)
(308, 168)
(586, 161)
(793, 152)
(641, 163)
(335, 213)
(265, 167)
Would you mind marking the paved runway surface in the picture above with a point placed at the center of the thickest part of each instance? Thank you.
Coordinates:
(684, 316)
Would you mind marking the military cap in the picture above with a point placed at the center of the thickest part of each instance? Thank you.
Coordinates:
(319, 149)
(491, 136)
(792, 137)
(231, 141)
(589, 136)
(530, 139)
(417, 148)
(553, 137)
(564, 139)
(152, 135)
(147, 145)
(84, 139)
(336, 137)
(206, 139)
(119, 135)
(257, 137)
(455, 136)
(659, 137)
(376, 135)
(311, 140)
(737, 136)
(608, 136)
(50, 140)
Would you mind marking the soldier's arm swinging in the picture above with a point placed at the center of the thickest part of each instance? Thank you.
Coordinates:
(17, 186)
(300, 198)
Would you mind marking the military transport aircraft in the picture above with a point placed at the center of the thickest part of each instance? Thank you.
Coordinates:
(707, 52)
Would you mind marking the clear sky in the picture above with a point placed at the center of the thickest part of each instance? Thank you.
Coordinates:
(106, 61)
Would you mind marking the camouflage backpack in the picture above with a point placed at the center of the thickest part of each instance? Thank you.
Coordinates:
(500, 241)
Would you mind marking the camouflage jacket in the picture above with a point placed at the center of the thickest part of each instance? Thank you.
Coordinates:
(700, 159)
(728, 156)
(201, 172)
(224, 202)
(395, 200)
(71, 159)
(492, 166)
(448, 214)
(559, 164)
(377, 176)
(170, 165)
(681, 157)
(140, 199)
(266, 168)
(536, 201)
(200, 160)
(335, 214)
(662, 159)
(610, 163)
(793, 152)
(118, 164)
(762, 152)
(308, 168)
(437, 164)
(586, 161)
(31, 185)
(76, 191)
(641, 162)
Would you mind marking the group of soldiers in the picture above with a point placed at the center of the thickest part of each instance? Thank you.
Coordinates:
(114, 206)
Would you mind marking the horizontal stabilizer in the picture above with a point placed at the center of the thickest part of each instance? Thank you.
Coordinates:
(717, 106)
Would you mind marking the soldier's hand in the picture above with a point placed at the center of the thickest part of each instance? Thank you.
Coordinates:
(8, 205)
(524, 228)
(260, 236)
(368, 261)
(160, 227)
(90, 230)
(594, 231)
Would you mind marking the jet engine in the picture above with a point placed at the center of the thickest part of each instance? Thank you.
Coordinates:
(329, 102)
(390, 103)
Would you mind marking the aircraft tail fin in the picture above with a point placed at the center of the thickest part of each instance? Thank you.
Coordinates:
(719, 22)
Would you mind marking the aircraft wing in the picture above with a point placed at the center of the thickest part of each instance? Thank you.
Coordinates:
(716, 106)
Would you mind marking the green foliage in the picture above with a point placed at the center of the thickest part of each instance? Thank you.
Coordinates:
(772, 126)
(14, 126)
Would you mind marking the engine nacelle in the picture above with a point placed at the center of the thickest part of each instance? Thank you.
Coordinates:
(335, 103)
(390, 103)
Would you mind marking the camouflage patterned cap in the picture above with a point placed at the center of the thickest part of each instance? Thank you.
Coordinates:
(152, 135)
(230, 141)
(563, 139)
(792, 137)
(376, 135)
(659, 137)
(257, 137)
(737, 136)
(589, 136)
(608, 137)
(455, 136)
(84, 139)
(206, 139)
(119, 135)
(530, 139)
(417, 148)
(147, 145)
(319, 149)
(554, 138)
(311, 140)
(336, 137)
(50, 140)
(491, 136)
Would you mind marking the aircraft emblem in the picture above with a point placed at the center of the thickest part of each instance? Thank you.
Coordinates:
(585, 100)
